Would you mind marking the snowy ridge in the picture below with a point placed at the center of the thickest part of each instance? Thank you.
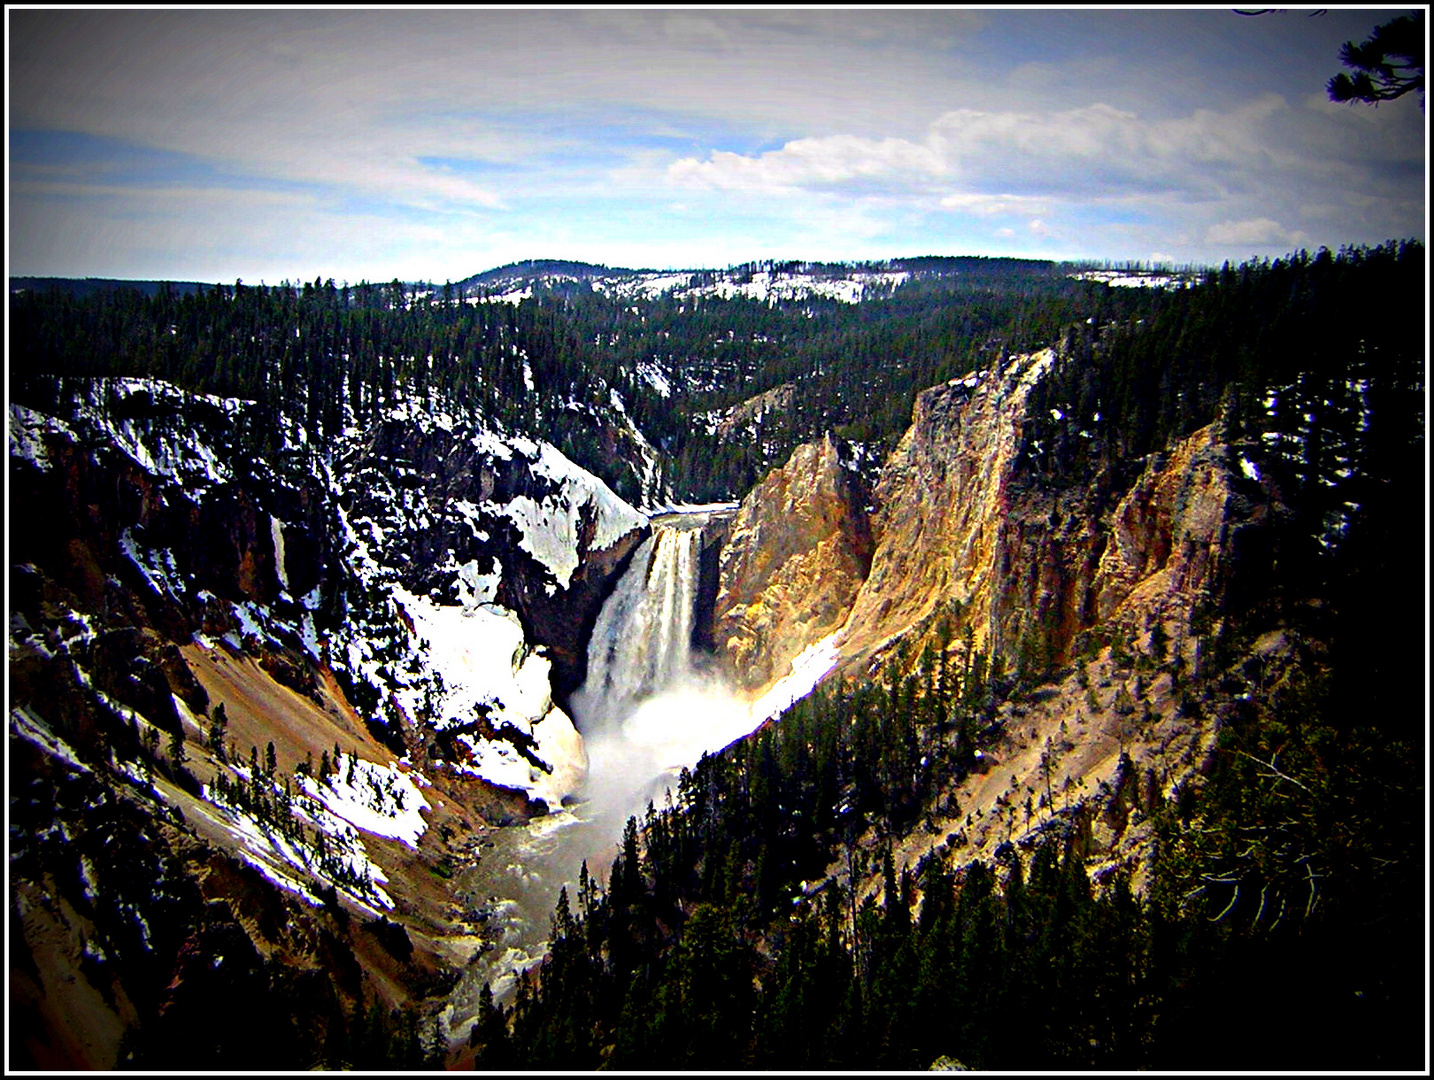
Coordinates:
(768, 286)
(1135, 279)
(550, 526)
(449, 658)
(26, 431)
(156, 425)
(464, 668)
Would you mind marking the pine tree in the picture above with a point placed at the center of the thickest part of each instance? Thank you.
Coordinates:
(177, 754)
(218, 729)
(1388, 65)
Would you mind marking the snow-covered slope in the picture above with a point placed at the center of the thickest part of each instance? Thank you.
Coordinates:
(766, 282)
(416, 561)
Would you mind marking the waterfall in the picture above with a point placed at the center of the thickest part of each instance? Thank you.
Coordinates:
(641, 642)
(648, 706)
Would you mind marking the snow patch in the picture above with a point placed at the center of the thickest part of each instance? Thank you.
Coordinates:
(276, 532)
(383, 800)
(31, 727)
(550, 529)
(26, 430)
(807, 669)
(491, 682)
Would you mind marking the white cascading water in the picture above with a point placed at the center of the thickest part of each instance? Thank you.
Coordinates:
(647, 709)
(640, 643)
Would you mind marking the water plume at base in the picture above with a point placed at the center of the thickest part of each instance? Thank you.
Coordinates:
(648, 707)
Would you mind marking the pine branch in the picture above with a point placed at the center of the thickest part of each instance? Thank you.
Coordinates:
(1274, 771)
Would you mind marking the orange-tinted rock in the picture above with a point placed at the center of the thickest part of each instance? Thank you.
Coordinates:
(799, 550)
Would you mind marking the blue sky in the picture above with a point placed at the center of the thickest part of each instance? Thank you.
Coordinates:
(211, 145)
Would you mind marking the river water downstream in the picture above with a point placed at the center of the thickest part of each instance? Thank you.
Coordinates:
(648, 708)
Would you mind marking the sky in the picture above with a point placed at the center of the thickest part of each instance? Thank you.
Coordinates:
(371, 144)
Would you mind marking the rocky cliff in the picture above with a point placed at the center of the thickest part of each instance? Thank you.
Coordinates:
(964, 530)
(284, 689)
(970, 552)
(799, 550)
(523, 527)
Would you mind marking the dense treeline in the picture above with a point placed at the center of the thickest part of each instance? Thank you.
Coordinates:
(326, 355)
(1307, 345)
(1149, 364)
(335, 355)
(1281, 914)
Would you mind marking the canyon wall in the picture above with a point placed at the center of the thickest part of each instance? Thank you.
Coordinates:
(799, 550)
(964, 530)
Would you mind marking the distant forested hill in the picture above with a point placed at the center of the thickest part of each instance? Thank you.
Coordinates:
(577, 366)
(567, 365)
(84, 287)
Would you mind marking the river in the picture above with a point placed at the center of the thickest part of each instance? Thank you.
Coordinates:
(648, 708)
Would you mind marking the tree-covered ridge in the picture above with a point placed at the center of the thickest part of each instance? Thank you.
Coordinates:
(1305, 344)
(1316, 366)
(1282, 908)
(550, 364)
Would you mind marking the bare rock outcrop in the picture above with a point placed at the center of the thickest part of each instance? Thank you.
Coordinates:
(753, 410)
(941, 530)
(799, 550)
(964, 528)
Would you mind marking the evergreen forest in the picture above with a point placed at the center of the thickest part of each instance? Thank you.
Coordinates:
(1278, 922)
(550, 363)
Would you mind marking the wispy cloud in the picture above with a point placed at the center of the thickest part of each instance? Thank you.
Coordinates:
(479, 135)
(813, 163)
(1257, 232)
(1092, 151)
(989, 205)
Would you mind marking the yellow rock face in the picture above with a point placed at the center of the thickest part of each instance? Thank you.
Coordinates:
(798, 553)
(958, 527)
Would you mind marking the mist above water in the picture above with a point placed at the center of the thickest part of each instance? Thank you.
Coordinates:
(649, 707)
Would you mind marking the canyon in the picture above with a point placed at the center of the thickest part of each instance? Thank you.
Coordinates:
(205, 553)
(412, 681)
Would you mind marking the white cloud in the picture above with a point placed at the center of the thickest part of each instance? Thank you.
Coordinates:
(812, 163)
(991, 205)
(1013, 162)
(1125, 132)
(1260, 231)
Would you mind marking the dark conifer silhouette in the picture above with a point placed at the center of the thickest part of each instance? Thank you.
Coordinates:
(1386, 66)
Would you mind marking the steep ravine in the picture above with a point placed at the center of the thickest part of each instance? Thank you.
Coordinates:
(324, 607)
(964, 539)
(322, 676)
